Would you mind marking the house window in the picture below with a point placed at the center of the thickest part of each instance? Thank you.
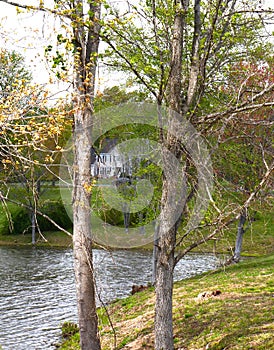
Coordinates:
(103, 171)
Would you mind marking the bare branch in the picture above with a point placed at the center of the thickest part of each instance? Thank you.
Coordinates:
(5, 198)
(130, 65)
(195, 59)
(245, 106)
(223, 222)
(31, 7)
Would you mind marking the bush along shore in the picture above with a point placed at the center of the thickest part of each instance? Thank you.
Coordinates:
(15, 229)
(231, 308)
(15, 225)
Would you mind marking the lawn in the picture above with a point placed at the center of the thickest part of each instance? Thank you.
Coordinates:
(241, 317)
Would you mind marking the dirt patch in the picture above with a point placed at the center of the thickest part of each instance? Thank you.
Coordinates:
(145, 342)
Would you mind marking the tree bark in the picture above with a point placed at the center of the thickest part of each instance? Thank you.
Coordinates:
(155, 253)
(164, 290)
(33, 226)
(86, 43)
(82, 244)
(239, 239)
(165, 248)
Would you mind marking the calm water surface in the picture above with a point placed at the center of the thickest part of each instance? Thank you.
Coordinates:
(37, 290)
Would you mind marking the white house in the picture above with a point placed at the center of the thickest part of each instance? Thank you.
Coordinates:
(118, 160)
(107, 165)
(110, 163)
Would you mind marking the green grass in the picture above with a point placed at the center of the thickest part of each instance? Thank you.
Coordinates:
(240, 318)
(258, 237)
(53, 238)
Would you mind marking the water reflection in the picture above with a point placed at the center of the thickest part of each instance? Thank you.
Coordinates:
(37, 291)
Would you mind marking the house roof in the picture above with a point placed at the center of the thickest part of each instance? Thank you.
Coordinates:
(106, 146)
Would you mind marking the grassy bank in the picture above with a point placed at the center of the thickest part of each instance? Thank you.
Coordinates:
(258, 237)
(241, 317)
(53, 238)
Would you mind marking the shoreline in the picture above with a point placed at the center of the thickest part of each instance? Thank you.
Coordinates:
(59, 239)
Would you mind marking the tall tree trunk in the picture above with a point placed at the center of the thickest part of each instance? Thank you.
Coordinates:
(82, 243)
(86, 41)
(165, 248)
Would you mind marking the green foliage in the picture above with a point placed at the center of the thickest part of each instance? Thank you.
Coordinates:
(20, 218)
(60, 56)
(226, 36)
(17, 223)
(69, 329)
(21, 221)
(13, 72)
(57, 212)
(111, 216)
(115, 95)
(227, 44)
(241, 166)
(115, 217)
(142, 50)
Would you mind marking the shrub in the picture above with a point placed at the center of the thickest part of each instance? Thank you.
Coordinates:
(112, 216)
(69, 329)
(57, 212)
(21, 222)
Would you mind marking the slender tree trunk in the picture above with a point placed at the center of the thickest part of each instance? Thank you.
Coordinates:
(126, 213)
(164, 290)
(33, 226)
(33, 205)
(82, 243)
(86, 41)
(165, 248)
(239, 239)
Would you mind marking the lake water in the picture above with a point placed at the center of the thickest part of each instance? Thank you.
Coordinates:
(37, 290)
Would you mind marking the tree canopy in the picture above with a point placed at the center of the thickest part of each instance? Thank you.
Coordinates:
(211, 64)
